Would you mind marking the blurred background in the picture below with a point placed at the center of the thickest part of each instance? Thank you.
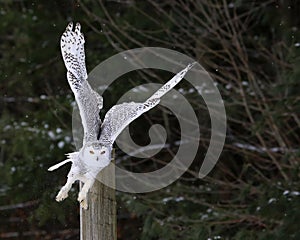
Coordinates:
(250, 48)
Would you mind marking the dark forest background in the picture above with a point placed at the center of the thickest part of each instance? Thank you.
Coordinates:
(250, 48)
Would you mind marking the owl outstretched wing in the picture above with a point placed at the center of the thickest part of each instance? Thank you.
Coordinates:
(89, 102)
(121, 115)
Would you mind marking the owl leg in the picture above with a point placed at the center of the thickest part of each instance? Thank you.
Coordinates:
(82, 196)
(63, 193)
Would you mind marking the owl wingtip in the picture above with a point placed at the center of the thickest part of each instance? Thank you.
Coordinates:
(190, 65)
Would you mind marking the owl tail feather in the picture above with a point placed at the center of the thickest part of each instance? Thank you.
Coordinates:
(56, 166)
(70, 156)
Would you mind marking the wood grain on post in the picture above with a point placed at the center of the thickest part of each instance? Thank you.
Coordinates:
(99, 221)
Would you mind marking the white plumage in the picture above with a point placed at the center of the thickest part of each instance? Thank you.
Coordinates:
(96, 153)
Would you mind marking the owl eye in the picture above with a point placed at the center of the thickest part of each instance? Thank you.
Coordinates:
(92, 152)
(102, 152)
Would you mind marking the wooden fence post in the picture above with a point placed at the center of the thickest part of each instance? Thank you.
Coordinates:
(99, 221)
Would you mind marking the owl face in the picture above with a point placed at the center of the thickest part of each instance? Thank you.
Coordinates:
(95, 155)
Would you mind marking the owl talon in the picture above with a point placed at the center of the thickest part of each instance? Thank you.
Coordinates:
(83, 201)
(84, 204)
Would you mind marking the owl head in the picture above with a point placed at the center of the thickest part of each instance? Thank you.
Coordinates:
(94, 154)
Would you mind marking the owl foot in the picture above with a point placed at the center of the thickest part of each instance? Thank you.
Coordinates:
(63, 194)
(82, 199)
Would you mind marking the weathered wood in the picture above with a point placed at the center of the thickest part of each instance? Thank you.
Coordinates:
(99, 221)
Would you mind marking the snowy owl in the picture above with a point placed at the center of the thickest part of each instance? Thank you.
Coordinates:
(99, 136)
